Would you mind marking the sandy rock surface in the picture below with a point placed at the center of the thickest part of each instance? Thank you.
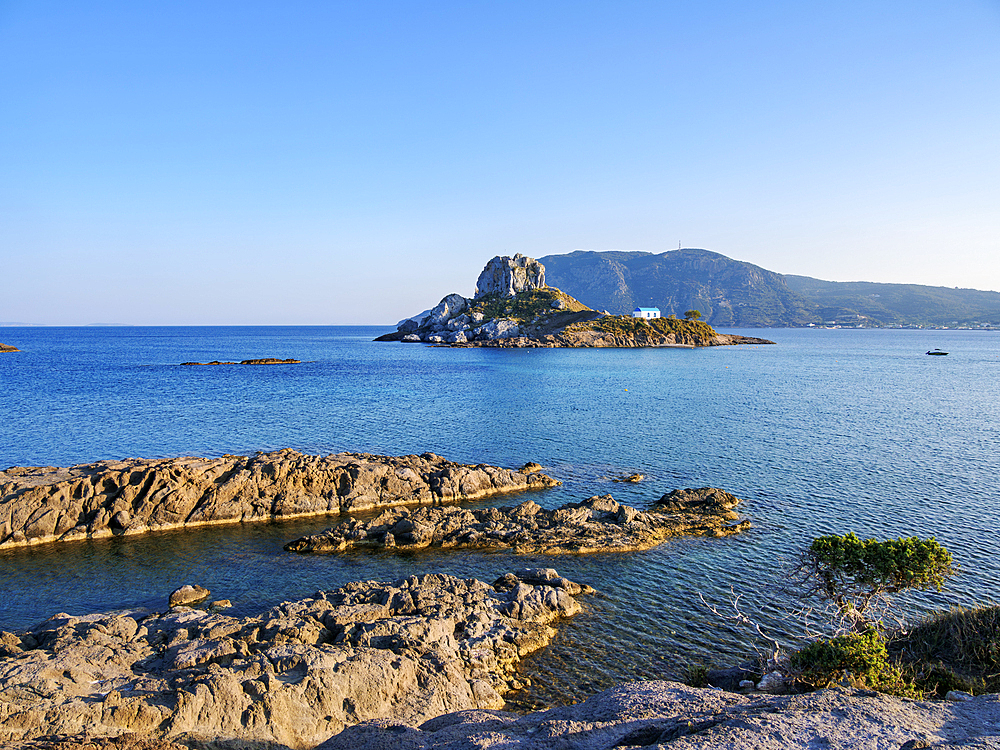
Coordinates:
(599, 524)
(290, 677)
(670, 715)
(48, 504)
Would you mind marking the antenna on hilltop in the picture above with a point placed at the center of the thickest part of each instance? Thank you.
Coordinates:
(678, 244)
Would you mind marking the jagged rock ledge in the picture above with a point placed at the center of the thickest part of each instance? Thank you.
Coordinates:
(290, 677)
(8, 348)
(598, 524)
(49, 504)
(666, 714)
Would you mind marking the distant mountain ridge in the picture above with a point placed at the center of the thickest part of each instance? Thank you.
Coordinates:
(737, 294)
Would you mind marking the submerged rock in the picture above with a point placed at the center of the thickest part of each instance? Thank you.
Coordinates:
(48, 504)
(292, 676)
(598, 524)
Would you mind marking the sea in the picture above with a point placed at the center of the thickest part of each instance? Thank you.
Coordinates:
(825, 432)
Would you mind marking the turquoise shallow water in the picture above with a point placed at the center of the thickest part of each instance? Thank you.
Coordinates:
(827, 432)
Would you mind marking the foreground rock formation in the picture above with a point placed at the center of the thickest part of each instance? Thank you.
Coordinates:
(598, 524)
(8, 348)
(664, 714)
(292, 676)
(48, 504)
(514, 308)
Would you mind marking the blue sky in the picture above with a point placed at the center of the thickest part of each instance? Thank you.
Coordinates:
(337, 163)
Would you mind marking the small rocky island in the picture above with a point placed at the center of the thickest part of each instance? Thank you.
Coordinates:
(264, 361)
(8, 348)
(287, 678)
(514, 308)
(598, 524)
(50, 504)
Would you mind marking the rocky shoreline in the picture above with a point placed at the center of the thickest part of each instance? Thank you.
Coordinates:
(8, 348)
(50, 504)
(598, 524)
(288, 678)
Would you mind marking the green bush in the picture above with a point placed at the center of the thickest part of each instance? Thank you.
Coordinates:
(857, 574)
(861, 657)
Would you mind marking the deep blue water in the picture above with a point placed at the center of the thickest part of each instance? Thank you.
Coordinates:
(829, 431)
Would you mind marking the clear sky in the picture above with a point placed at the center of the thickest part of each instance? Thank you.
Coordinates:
(331, 162)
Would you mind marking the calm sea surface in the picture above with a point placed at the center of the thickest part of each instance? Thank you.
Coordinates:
(827, 432)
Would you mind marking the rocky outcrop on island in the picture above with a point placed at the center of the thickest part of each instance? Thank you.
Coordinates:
(513, 308)
(666, 714)
(8, 348)
(49, 504)
(288, 678)
(264, 361)
(598, 524)
(508, 276)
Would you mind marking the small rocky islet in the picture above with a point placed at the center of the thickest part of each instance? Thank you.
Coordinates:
(598, 524)
(8, 348)
(262, 361)
(514, 308)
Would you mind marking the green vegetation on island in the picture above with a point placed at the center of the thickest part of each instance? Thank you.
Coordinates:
(626, 325)
(526, 307)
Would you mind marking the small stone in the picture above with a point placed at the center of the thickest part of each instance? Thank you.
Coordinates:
(221, 604)
(772, 682)
(746, 685)
(958, 696)
(185, 596)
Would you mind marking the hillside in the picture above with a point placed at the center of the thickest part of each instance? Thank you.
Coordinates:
(732, 293)
(899, 304)
(727, 292)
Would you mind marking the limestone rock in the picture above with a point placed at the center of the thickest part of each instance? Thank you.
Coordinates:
(448, 308)
(498, 329)
(507, 276)
(47, 504)
(669, 715)
(598, 524)
(773, 682)
(289, 677)
(8, 348)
